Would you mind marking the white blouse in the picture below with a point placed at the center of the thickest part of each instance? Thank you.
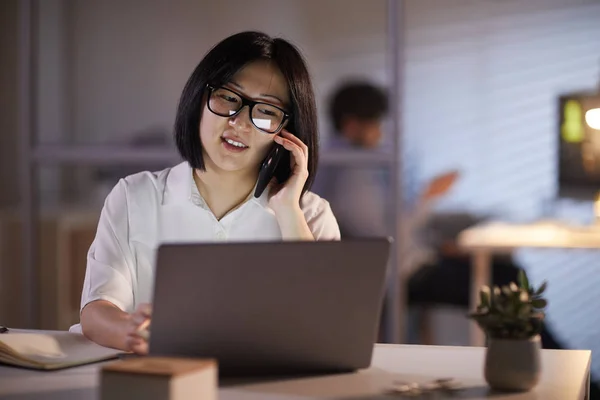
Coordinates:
(146, 209)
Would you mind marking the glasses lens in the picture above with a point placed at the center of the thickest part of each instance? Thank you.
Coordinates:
(267, 117)
(224, 102)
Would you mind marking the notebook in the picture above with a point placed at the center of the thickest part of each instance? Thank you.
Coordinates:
(50, 350)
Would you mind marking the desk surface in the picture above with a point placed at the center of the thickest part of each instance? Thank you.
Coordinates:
(506, 236)
(565, 377)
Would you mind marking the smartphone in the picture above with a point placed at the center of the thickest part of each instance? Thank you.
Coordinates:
(268, 168)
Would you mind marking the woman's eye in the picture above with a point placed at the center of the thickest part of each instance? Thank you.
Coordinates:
(230, 99)
(264, 111)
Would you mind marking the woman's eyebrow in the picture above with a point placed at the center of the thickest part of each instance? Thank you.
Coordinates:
(237, 85)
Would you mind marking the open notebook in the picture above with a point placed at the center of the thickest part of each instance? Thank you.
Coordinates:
(51, 350)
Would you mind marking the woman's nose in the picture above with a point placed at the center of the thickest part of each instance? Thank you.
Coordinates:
(242, 119)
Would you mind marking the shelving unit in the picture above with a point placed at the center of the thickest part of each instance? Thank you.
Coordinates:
(108, 155)
(32, 156)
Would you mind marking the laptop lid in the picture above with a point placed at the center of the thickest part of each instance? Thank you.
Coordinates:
(269, 307)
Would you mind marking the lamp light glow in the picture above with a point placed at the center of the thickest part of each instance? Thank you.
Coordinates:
(592, 118)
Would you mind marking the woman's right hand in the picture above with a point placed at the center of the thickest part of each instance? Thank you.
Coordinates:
(138, 321)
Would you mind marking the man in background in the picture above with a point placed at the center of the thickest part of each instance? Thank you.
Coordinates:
(360, 195)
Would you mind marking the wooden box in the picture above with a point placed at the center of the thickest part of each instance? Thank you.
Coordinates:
(159, 378)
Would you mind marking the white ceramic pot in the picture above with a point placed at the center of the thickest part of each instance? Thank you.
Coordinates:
(513, 365)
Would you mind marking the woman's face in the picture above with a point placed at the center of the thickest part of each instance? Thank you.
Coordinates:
(260, 81)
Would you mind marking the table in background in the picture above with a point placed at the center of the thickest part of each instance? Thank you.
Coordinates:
(485, 239)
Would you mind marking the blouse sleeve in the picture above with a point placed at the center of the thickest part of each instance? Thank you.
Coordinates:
(322, 222)
(109, 261)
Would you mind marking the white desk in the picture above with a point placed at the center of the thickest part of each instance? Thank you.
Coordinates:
(565, 376)
(485, 239)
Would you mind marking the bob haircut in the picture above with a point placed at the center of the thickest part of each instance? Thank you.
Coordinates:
(219, 66)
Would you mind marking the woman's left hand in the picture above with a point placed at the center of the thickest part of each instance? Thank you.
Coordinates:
(287, 196)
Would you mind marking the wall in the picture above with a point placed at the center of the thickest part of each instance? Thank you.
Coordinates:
(481, 84)
(52, 107)
(142, 52)
(482, 78)
(8, 103)
(9, 194)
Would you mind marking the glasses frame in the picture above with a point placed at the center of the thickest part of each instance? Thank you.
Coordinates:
(247, 102)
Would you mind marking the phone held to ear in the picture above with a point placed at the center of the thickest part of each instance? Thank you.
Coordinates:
(267, 169)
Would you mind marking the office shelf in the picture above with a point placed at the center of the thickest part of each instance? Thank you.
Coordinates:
(109, 154)
(103, 155)
(356, 158)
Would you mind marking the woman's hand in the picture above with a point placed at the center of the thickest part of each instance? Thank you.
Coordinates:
(286, 197)
(137, 339)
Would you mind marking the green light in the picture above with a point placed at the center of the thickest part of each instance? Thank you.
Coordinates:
(572, 127)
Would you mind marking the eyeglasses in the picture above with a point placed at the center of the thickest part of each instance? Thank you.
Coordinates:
(264, 116)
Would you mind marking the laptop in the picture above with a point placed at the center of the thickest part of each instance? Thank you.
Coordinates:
(270, 308)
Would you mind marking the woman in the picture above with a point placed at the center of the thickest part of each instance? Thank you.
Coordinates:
(249, 93)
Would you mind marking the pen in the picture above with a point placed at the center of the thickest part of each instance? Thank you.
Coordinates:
(143, 329)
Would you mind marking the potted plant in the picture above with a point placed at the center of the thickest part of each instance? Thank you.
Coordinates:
(512, 318)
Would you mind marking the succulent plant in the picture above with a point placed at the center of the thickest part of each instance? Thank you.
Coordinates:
(512, 311)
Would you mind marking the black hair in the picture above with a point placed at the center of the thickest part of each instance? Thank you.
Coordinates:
(219, 66)
(361, 100)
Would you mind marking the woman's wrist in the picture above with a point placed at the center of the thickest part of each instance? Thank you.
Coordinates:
(292, 223)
